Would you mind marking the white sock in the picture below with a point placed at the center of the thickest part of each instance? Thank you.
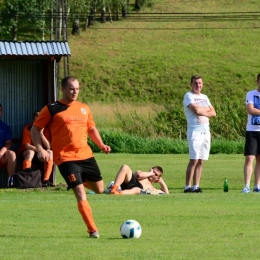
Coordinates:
(247, 186)
(257, 186)
(194, 187)
(187, 186)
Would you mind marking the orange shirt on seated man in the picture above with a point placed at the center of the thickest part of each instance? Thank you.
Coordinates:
(28, 151)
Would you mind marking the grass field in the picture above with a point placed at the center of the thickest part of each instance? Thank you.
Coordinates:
(211, 225)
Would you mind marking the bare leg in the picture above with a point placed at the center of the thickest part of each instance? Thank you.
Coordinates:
(135, 190)
(9, 158)
(257, 170)
(190, 171)
(197, 173)
(27, 158)
(28, 154)
(124, 175)
(84, 208)
(248, 168)
(97, 187)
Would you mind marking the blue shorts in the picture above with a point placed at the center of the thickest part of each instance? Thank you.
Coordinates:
(77, 172)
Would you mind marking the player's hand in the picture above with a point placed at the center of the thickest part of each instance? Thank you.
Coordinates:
(160, 180)
(151, 172)
(43, 155)
(106, 149)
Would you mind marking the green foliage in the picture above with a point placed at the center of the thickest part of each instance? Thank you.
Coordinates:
(171, 122)
(231, 119)
(133, 144)
(24, 17)
(151, 60)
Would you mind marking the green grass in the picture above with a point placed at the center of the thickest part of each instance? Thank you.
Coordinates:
(211, 225)
(152, 61)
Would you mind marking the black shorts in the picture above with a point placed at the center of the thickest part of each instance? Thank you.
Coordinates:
(77, 172)
(131, 184)
(252, 144)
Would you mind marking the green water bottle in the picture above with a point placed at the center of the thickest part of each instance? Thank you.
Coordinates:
(225, 187)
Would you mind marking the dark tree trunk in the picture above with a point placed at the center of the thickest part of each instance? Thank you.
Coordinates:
(75, 27)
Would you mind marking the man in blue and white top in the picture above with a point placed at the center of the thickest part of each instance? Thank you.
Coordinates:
(252, 143)
(198, 110)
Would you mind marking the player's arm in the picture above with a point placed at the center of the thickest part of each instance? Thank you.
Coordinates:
(96, 138)
(163, 185)
(42, 154)
(143, 175)
(45, 141)
(251, 110)
(208, 111)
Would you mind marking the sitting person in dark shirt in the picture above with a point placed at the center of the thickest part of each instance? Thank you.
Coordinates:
(7, 156)
(139, 182)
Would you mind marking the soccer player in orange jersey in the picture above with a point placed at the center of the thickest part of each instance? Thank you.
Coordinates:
(70, 123)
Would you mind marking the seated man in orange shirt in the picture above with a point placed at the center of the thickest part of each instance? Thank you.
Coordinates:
(28, 151)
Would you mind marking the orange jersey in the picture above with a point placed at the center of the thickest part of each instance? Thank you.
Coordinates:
(27, 136)
(69, 125)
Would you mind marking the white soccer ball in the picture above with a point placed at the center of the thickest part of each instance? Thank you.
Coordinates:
(130, 229)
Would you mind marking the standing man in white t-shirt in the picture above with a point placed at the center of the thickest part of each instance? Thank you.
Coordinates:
(198, 110)
(252, 143)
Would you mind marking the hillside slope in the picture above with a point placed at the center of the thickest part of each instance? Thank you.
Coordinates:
(149, 58)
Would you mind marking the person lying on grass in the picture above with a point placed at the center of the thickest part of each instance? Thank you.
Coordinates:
(139, 182)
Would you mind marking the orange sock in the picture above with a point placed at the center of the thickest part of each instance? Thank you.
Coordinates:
(27, 164)
(86, 213)
(47, 169)
(114, 188)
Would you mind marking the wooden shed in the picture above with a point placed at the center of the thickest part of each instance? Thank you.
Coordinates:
(27, 82)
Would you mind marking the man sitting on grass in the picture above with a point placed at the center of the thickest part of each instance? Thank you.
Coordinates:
(138, 182)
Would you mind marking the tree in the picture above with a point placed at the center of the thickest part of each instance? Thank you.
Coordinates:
(25, 15)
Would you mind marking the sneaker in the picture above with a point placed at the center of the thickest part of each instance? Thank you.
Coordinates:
(47, 184)
(94, 234)
(256, 190)
(246, 190)
(110, 185)
(187, 190)
(11, 182)
(145, 192)
(197, 190)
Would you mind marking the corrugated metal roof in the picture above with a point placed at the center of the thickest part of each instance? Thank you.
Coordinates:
(29, 48)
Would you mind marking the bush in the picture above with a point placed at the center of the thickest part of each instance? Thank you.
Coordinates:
(125, 143)
(229, 123)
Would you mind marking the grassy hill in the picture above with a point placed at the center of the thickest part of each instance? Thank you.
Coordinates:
(148, 58)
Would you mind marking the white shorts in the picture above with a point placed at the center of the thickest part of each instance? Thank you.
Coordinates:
(199, 145)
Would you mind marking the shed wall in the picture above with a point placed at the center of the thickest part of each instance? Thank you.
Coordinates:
(22, 92)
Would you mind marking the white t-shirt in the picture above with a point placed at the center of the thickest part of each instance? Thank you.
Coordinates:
(194, 122)
(253, 122)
